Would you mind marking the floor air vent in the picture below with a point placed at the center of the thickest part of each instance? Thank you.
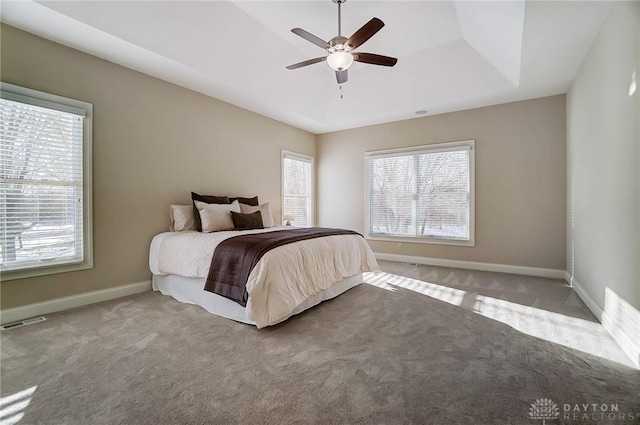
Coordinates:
(22, 323)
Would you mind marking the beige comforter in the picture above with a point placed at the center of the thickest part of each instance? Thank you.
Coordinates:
(281, 280)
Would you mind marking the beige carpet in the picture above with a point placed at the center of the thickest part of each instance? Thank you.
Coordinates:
(433, 348)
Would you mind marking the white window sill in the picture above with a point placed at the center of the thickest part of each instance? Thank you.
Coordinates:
(409, 239)
(43, 271)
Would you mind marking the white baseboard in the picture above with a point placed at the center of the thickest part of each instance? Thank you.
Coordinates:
(472, 265)
(58, 304)
(622, 321)
(618, 318)
(591, 304)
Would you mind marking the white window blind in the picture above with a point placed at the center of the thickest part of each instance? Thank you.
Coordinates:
(42, 199)
(424, 193)
(297, 188)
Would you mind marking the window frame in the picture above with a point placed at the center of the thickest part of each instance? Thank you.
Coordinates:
(52, 101)
(417, 150)
(301, 157)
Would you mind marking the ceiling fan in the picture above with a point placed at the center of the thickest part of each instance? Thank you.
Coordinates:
(341, 55)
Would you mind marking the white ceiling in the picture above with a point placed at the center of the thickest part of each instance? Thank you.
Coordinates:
(452, 55)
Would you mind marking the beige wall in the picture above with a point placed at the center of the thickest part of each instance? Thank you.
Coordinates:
(603, 136)
(153, 143)
(520, 179)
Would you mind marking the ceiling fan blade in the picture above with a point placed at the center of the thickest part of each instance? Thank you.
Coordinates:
(311, 38)
(342, 76)
(374, 59)
(307, 62)
(365, 32)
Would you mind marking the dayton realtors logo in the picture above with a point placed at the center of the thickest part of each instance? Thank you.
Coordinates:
(596, 412)
(545, 409)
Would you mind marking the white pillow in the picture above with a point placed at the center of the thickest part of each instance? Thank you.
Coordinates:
(216, 217)
(181, 218)
(265, 211)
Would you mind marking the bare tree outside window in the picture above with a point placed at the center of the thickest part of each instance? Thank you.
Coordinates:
(420, 194)
(392, 195)
(443, 194)
(40, 185)
(297, 186)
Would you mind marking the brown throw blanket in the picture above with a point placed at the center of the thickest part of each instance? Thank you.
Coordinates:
(234, 258)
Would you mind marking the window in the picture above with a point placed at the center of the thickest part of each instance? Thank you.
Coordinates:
(425, 193)
(297, 188)
(45, 183)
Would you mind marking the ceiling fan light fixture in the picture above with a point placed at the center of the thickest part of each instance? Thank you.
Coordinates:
(340, 60)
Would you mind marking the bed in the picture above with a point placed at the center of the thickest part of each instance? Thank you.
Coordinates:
(285, 281)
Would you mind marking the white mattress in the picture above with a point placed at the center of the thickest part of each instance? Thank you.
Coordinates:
(190, 291)
(285, 279)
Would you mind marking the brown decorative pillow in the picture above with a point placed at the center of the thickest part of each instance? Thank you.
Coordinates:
(247, 221)
(265, 210)
(247, 201)
(207, 199)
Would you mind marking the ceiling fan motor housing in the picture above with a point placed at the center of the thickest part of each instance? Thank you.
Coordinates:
(338, 40)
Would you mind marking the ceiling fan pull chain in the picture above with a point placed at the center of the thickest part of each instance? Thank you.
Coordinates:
(341, 96)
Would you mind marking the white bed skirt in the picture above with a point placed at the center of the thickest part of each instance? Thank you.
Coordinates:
(190, 291)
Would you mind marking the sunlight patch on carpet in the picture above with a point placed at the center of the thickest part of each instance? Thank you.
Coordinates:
(575, 333)
(571, 332)
(391, 282)
(12, 407)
